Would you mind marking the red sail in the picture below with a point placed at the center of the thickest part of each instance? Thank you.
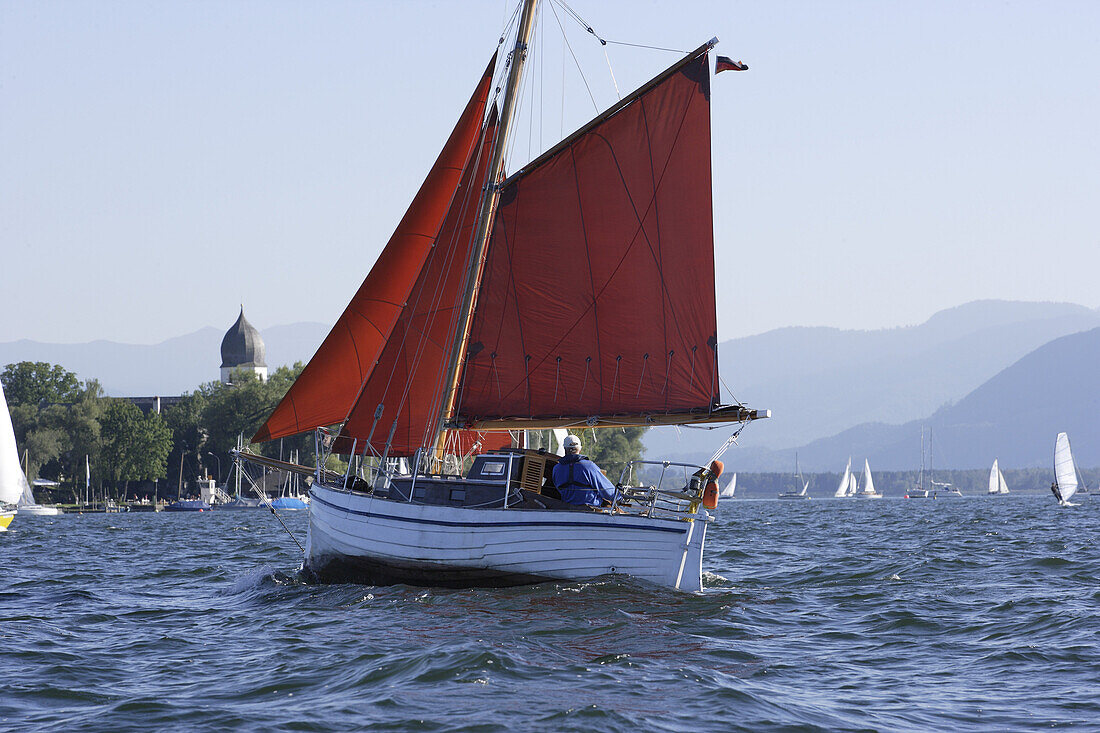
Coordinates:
(328, 385)
(598, 291)
(408, 381)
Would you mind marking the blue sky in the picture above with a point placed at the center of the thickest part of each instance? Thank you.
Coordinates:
(162, 162)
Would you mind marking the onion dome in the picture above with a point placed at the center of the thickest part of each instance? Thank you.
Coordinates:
(242, 345)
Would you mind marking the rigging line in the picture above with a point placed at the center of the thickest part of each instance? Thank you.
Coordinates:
(439, 392)
(508, 24)
(641, 376)
(264, 500)
(728, 389)
(615, 381)
(457, 236)
(365, 378)
(433, 303)
(436, 399)
(557, 379)
(603, 44)
(611, 71)
(575, 61)
(642, 45)
(603, 41)
(587, 364)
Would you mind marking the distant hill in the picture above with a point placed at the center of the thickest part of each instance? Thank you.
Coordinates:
(1014, 417)
(821, 381)
(171, 367)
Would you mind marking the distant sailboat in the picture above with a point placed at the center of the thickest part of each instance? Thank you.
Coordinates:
(1065, 471)
(291, 496)
(938, 488)
(803, 484)
(997, 483)
(727, 493)
(868, 483)
(12, 481)
(845, 481)
(27, 505)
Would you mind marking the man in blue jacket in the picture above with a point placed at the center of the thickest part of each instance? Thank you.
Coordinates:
(579, 480)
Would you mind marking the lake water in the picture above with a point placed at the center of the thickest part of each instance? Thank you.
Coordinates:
(971, 614)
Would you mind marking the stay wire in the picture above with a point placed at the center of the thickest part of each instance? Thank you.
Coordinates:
(569, 46)
(603, 41)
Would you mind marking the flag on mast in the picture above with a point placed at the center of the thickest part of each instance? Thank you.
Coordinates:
(725, 63)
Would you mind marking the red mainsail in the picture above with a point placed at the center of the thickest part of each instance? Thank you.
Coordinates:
(597, 296)
(328, 385)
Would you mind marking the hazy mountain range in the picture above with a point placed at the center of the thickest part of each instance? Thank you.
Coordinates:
(991, 378)
(867, 393)
(171, 367)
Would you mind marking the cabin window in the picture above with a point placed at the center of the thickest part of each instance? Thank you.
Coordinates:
(458, 494)
(418, 493)
(492, 468)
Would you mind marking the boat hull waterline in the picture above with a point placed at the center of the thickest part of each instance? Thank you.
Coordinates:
(377, 541)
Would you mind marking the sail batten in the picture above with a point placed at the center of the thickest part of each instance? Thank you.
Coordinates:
(333, 378)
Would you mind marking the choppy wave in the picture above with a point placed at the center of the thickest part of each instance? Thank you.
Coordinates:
(975, 615)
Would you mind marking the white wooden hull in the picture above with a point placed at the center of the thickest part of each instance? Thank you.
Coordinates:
(361, 538)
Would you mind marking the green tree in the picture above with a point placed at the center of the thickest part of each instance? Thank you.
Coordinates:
(79, 423)
(613, 448)
(230, 410)
(31, 382)
(187, 423)
(135, 446)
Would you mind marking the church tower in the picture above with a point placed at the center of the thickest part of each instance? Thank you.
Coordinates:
(243, 350)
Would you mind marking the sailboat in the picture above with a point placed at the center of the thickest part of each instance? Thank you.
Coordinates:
(290, 497)
(935, 489)
(26, 505)
(803, 485)
(845, 486)
(13, 482)
(473, 322)
(997, 483)
(1065, 471)
(868, 491)
(730, 490)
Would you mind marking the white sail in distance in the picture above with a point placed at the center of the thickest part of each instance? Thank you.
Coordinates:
(997, 483)
(728, 492)
(868, 482)
(1065, 473)
(842, 490)
(13, 483)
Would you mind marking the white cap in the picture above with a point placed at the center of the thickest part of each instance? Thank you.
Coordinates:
(571, 441)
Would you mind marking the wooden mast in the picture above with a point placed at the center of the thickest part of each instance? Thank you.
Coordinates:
(484, 225)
